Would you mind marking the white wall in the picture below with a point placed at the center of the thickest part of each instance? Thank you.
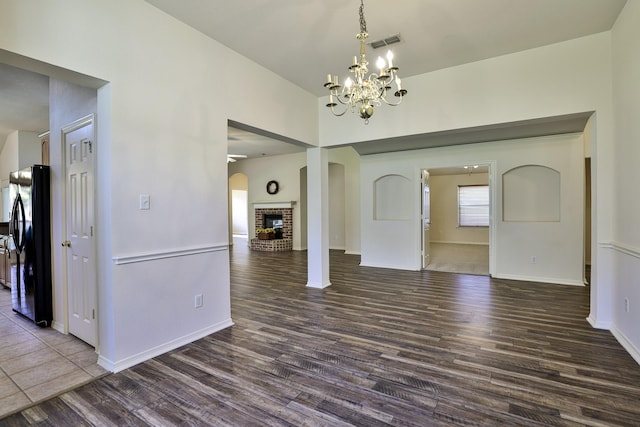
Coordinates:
(21, 150)
(8, 164)
(624, 246)
(347, 157)
(557, 246)
(337, 201)
(29, 149)
(444, 210)
(9, 156)
(162, 131)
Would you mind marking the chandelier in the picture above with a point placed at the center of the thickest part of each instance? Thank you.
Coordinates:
(362, 92)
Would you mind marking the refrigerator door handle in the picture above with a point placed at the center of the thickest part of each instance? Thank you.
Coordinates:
(18, 233)
(13, 226)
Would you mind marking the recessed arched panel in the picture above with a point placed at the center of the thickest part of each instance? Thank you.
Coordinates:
(392, 198)
(531, 193)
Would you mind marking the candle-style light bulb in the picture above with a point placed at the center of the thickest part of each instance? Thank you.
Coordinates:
(390, 58)
(399, 83)
(348, 83)
(380, 63)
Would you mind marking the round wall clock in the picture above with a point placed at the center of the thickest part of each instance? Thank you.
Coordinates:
(272, 187)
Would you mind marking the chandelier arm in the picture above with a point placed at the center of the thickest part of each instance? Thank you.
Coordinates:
(337, 114)
(393, 104)
(339, 97)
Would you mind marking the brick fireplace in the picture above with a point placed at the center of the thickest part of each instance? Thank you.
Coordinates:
(273, 211)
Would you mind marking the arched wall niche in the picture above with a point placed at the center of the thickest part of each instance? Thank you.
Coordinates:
(392, 198)
(531, 193)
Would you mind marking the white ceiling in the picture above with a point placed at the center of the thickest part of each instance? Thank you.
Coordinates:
(304, 40)
(255, 143)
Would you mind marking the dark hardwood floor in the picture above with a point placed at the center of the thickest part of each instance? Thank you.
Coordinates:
(378, 347)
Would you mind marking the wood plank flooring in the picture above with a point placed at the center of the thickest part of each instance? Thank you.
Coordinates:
(378, 347)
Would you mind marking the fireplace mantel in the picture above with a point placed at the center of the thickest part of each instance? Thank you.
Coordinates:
(274, 205)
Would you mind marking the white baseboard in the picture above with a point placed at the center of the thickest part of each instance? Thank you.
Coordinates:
(353, 253)
(130, 361)
(598, 325)
(460, 243)
(628, 345)
(550, 280)
(58, 326)
(394, 267)
(318, 286)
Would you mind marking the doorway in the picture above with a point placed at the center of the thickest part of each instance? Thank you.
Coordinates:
(239, 208)
(458, 237)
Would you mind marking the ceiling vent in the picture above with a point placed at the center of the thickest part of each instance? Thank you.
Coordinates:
(385, 42)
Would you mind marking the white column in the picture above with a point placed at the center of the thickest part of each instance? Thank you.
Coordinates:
(318, 218)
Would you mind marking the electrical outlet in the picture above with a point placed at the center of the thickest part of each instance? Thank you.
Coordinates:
(626, 305)
(198, 301)
(534, 259)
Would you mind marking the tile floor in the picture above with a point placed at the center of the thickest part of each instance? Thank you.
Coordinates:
(459, 258)
(38, 363)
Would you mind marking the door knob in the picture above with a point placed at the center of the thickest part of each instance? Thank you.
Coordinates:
(66, 243)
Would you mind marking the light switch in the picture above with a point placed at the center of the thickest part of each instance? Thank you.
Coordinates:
(145, 202)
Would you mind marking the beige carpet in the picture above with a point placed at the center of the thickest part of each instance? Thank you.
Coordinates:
(459, 258)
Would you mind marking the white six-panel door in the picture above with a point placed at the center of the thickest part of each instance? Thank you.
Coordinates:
(78, 140)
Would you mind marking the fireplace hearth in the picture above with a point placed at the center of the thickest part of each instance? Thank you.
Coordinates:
(273, 215)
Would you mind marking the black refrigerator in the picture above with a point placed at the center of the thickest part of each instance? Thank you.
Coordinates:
(30, 238)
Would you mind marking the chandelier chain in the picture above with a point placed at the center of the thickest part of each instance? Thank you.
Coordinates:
(363, 23)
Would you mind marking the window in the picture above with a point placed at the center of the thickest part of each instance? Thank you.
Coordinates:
(473, 206)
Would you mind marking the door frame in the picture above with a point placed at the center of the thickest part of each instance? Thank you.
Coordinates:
(494, 209)
(425, 226)
(77, 124)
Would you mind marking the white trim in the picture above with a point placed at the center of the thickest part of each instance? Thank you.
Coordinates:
(627, 344)
(460, 243)
(622, 248)
(171, 253)
(130, 361)
(391, 266)
(58, 326)
(549, 280)
(320, 286)
(598, 325)
(274, 205)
